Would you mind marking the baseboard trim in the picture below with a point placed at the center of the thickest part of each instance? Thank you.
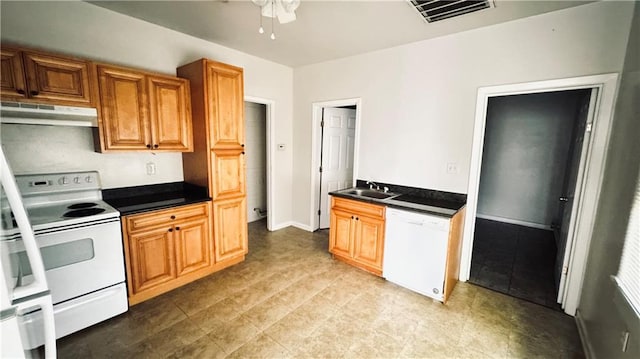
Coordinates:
(298, 225)
(514, 221)
(304, 227)
(281, 226)
(584, 336)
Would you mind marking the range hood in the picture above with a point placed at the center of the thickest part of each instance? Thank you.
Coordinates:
(50, 115)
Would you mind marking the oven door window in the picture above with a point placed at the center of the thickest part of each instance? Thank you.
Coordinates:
(57, 255)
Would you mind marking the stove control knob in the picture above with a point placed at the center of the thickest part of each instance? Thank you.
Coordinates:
(89, 179)
(64, 180)
(76, 180)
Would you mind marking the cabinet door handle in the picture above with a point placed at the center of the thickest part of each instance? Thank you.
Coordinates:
(170, 229)
(148, 146)
(173, 217)
(20, 91)
(242, 145)
(243, 152)
(177, 228)
(155, 146)
(34, 93)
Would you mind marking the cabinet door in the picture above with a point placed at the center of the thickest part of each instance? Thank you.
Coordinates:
(230, 228)
(226, 105)
(12, 82)
(152, 258)
(340, 233)
(124, 110)
(170, 113)
(57, 79)
(228, 174)
(369, 241)
(193, 251)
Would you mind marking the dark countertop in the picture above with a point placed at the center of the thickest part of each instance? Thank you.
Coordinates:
(137, 199)
(439, 203)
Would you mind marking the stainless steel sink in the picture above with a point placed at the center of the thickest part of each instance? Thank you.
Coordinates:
(363, 192)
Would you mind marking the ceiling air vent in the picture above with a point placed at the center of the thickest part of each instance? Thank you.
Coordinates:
(436, 10)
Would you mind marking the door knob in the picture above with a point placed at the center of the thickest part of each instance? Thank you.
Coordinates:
(564, 199)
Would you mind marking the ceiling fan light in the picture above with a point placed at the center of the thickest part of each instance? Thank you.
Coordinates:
(261, 30)
(260, 3)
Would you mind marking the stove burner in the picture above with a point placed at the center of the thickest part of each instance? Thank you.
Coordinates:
(83, 212)
(82, 205)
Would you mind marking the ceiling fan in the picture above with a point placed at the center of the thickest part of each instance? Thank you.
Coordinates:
(284, 10)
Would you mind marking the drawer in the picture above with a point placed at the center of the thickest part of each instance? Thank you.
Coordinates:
(359, 207)
(166, 216)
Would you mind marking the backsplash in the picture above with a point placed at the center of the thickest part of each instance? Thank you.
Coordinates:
(43, 149)
(418, 192)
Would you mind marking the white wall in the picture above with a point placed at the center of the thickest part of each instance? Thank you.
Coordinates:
(603, 315)
(524, 158)
(255, 116)
(418, 100)
(85, 30)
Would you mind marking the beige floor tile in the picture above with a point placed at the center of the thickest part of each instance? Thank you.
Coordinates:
(234, 334)
(201, 348)
(263, 315)
(178, 335)
(289, 298)
(261, 346)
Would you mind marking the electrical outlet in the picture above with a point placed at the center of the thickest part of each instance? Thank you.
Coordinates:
(151, 168)
(452, 167)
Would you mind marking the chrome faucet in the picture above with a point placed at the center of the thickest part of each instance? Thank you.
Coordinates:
(371, 184)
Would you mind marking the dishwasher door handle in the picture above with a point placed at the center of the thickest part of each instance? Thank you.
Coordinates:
(415, 223)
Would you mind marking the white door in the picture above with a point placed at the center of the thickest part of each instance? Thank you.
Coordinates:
(573, 184)
(338, 144)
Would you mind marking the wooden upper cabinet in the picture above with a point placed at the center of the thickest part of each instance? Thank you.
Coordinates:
(12, 83)
(226, 107)
(228, 174)
(124, 114)
(170, 113)
(32, 76)
(57, 79)
(143, 111)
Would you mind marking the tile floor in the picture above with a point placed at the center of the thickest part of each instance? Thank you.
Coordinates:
(290, 299)
(515, 260)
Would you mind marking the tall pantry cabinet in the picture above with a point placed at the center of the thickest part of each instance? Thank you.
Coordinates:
(218, 162)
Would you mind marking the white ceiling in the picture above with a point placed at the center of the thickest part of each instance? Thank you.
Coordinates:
(324, 30)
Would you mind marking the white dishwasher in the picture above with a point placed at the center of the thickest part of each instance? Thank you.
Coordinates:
(415, 251)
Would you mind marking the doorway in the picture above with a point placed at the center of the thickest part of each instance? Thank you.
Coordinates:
(590, 173)
(335, 135)
(533, 146)
(258, 113)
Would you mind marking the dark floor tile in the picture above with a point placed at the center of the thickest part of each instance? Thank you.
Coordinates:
(515, 260)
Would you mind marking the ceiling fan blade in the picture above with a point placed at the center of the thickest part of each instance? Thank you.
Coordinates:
(285, 17)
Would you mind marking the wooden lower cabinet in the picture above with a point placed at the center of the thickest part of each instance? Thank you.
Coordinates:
(151, 258)
(166, 249)
(230, 228)
(356, 233)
